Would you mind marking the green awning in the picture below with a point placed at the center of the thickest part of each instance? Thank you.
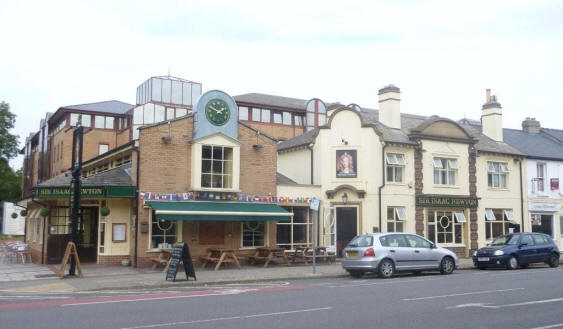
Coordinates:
(219, 211)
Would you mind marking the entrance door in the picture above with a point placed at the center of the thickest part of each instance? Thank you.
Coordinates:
(88, 234)
(346, 226)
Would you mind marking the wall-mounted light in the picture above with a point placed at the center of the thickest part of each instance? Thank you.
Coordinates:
(258, 146)
(345, 142)
(345, 198)
(166, 139)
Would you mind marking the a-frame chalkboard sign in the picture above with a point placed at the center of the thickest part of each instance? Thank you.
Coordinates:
(180, 253)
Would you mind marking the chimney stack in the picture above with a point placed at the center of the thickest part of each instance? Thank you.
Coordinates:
(531, 125)
(491, 117)
(390, 106)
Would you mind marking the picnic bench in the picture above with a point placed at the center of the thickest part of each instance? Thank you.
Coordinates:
(305, 255)
(268, 255)
(162, 259)
(220, 256)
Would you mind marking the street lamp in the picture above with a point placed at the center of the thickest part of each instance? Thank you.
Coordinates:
(345, 198)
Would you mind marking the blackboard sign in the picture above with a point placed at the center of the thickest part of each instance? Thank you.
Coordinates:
(180, 253)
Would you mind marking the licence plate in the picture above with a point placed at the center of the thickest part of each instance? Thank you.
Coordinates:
(483, 259)
(352, 254)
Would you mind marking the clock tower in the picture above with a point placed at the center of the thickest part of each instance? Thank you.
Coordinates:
(215, 112)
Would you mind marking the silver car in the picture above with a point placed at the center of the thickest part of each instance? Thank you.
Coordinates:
(387, 253)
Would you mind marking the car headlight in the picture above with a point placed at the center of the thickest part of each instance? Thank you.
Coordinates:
(475, 253)
(498, 253)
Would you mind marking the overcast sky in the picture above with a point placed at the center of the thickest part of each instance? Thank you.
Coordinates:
(442, 54)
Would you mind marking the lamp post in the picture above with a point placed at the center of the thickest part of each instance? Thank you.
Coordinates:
(344, 198)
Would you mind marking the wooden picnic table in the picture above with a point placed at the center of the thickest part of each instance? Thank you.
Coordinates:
(220, 256)
(162, 259)
(305, 255)
(269, 254)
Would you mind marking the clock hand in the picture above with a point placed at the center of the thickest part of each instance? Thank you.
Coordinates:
(214, 109)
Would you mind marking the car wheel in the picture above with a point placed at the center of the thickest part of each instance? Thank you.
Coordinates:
(356, 274)
(386, 269)
(512, 263)
(447, 266)
(554, 260)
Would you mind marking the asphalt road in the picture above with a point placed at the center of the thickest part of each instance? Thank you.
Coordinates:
(530, 298)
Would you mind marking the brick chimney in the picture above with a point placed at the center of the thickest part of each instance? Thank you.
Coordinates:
(491, 117)
(531, 125)
(390, 106)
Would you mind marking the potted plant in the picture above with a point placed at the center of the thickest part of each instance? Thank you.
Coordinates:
(23, 213)
(14, 215)
(44, 211)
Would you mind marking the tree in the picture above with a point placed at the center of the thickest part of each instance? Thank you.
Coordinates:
(8, 142)
(10, 181)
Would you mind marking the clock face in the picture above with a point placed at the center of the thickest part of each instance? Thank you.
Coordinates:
(217, 112)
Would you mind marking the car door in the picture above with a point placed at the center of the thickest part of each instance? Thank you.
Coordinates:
(396, 247)
(422, 256)
(527, 249)
(543, 247)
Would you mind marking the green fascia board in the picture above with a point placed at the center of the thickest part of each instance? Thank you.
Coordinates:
(87, 192)
(218, 206)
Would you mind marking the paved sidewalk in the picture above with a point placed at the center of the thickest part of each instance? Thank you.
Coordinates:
(42, 279)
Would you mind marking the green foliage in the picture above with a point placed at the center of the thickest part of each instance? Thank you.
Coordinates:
(10, 182)
(44, 211)
(8, 142)
(23, 213)
(104, 211)
(14, 215)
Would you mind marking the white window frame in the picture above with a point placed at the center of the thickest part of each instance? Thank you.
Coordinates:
(490, 215)
(460, 217)
(175, 222)
(453, 222)
(224, 175)
(395, 162)
(399, 219)
(308, 230)
(451, 167)
(491, 220)
(501, 172)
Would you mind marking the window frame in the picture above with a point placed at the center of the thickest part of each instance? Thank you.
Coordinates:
(178, 233)
(213, 161)
(443, 174)
(394, 221)
(500, 170)
(434, 222)
(395, 167)
(264, 235)
(308, 223)
(99, 148)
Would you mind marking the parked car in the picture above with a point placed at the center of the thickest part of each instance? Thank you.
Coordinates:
(387, 253)
(517, 250)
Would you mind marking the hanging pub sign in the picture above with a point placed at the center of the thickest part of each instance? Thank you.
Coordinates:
(446, 201)
(554, 184)
(346, 164)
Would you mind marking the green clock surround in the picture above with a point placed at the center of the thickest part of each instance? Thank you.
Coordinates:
(217, 112)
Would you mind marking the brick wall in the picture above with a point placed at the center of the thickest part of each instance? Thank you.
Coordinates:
(278, 131)
(113, 260)
(165, 168)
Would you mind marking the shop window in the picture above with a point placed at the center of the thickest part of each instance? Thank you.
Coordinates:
(542, 224)
(395, 167)
(497, 174)
(396, 217)
(445, 171)
(297, 232)
(216, 167)
(446, 226)
(253, 234)
(243, 113)
(103, 148)
(499, 222)
(164, 233)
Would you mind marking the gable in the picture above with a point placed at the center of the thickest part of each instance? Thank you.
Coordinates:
(444, 129)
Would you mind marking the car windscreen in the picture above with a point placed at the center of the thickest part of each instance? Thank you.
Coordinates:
(505, 240)
(361, 241)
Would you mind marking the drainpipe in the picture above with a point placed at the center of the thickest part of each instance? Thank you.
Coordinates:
(383, 179)
(310, 147)
(137, 208)
(521, 199)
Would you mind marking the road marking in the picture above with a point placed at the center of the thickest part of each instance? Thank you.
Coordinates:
(386, 282)
(557, 325)
(463, 294)
(230, 318)
(487, 305)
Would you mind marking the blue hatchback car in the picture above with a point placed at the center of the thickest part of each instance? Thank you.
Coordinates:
(517, 250)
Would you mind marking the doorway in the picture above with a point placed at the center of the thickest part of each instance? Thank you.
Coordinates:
(88, 234)
(346, 226)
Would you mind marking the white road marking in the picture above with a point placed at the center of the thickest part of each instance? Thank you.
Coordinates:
(385, 282)
(557, 325)
(463, 294)
(220, 293)
(229, 318)
(487, 305)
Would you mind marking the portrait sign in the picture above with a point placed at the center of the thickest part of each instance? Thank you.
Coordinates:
(346, 164)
